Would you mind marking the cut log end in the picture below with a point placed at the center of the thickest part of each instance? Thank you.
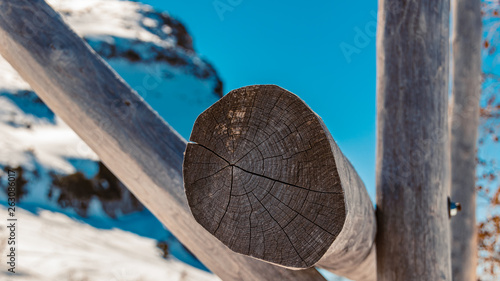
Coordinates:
(260, 175)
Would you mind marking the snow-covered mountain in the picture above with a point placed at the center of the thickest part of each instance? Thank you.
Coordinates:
(54, 247)
(58, 172)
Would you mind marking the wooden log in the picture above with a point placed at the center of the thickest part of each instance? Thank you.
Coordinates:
(413, 239)
(265, 177)
(466, 75)
(130, 138)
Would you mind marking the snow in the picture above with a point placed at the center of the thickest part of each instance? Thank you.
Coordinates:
(178, 97)
(105, 18)
(52, 145)
(10, 81)
(53, 246)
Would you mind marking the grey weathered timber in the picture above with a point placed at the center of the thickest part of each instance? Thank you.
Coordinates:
(413, 238)
(130, 138)
(466, 83)
(265, 177)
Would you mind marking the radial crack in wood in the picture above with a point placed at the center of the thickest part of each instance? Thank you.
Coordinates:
(264, 176)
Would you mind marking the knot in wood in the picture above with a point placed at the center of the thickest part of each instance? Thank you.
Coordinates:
(260, 175)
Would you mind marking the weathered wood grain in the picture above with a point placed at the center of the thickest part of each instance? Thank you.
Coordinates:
(466, 83)
(413, 238)
(265, 177)
(130, 138)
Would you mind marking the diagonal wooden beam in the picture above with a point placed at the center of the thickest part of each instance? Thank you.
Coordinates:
(143, 151)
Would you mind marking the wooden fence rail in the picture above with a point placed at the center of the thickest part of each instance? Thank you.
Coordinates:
(129, 137)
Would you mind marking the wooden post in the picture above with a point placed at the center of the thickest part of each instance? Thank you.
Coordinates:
(265, 177)
(413, 239)
(130, 138)
(466, 75)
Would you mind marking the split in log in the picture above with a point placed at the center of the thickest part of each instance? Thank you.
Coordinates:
(265, 177)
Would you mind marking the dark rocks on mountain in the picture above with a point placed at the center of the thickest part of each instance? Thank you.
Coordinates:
(219, 88)
(163, 246)
(20, 182)
(131, 55)
(76, 191)
(179, 31)
(171, 58)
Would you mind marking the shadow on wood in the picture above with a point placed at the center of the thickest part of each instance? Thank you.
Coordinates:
(266, 178)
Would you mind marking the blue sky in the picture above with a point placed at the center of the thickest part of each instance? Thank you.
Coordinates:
(323, 51)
